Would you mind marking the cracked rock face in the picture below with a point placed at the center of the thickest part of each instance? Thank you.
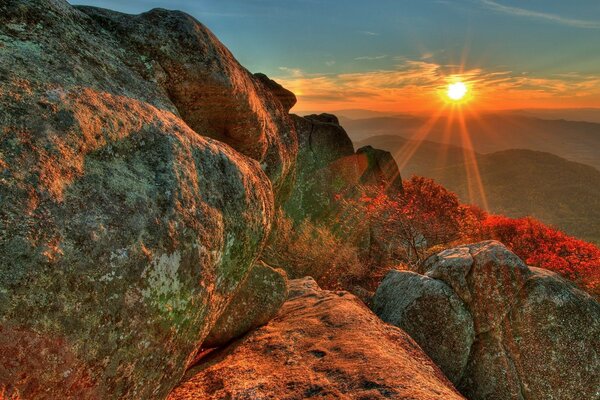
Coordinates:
(124, 234)
(432, 314)
(533, 335)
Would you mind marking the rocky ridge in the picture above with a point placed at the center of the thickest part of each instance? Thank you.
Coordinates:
(140, 170)
(125, 229)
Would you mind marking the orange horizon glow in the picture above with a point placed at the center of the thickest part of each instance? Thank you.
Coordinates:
(421, 87)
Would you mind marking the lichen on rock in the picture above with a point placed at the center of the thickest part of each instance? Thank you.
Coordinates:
(124, 233)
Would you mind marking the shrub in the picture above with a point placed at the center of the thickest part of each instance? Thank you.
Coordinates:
(310, 249)
(405, 226)
(428, 218)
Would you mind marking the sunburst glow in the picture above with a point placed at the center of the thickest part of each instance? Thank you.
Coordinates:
(457, 91)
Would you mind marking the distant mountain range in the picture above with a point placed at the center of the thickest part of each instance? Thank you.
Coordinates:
(517, 183)
(575, 141)
(569, 114)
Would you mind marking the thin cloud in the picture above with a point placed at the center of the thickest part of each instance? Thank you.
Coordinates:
(371, 58)
(295, 72)
(418, 84)
(369, 33)
(522, 12)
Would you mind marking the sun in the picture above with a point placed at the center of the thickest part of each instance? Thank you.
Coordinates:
(457, 91)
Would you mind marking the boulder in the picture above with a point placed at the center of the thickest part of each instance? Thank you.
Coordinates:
(285, 97)
(322, 344)
(432, 314)
(213, 93)
(256, 301)
(326, 166)
(487, 276)
(536, 335)
(124, 234)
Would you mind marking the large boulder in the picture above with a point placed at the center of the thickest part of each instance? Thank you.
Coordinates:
(432, 314)
(322, 344)
(326, 166)
(536, 335)
(213, 93)
(257, 300)
(124, 234)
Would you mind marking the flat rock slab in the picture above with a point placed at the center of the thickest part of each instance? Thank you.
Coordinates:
(322, 344)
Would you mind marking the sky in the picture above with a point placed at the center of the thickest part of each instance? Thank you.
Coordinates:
(400, 55)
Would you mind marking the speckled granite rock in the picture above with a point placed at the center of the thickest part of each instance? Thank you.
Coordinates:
(432, 314)
(213, 93)
(537, 336)
(256, 301)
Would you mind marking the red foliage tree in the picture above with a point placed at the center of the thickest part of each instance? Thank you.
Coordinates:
(428, 217)
(542, 246)
(425, 215)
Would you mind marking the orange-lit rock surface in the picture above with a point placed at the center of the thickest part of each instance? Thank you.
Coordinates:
(322, 344)
(212, 92)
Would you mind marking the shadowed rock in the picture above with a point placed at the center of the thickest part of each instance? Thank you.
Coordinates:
(378, 167)
(321, 345)
(537, 336)
(328, 166)
(257, 301)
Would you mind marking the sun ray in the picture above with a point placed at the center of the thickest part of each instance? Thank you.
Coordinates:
(405, 154)
(474, 182)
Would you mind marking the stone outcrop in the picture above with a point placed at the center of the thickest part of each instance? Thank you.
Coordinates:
(328, 166)
(125, 230)
(432, 314)
(536, 336)
(322, 344)
(257, 300)
(285, 97)
(378, 167)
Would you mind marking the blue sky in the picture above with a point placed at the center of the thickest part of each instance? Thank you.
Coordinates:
(554, 44)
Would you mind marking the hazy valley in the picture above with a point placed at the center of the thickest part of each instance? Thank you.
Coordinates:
(517, 183)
